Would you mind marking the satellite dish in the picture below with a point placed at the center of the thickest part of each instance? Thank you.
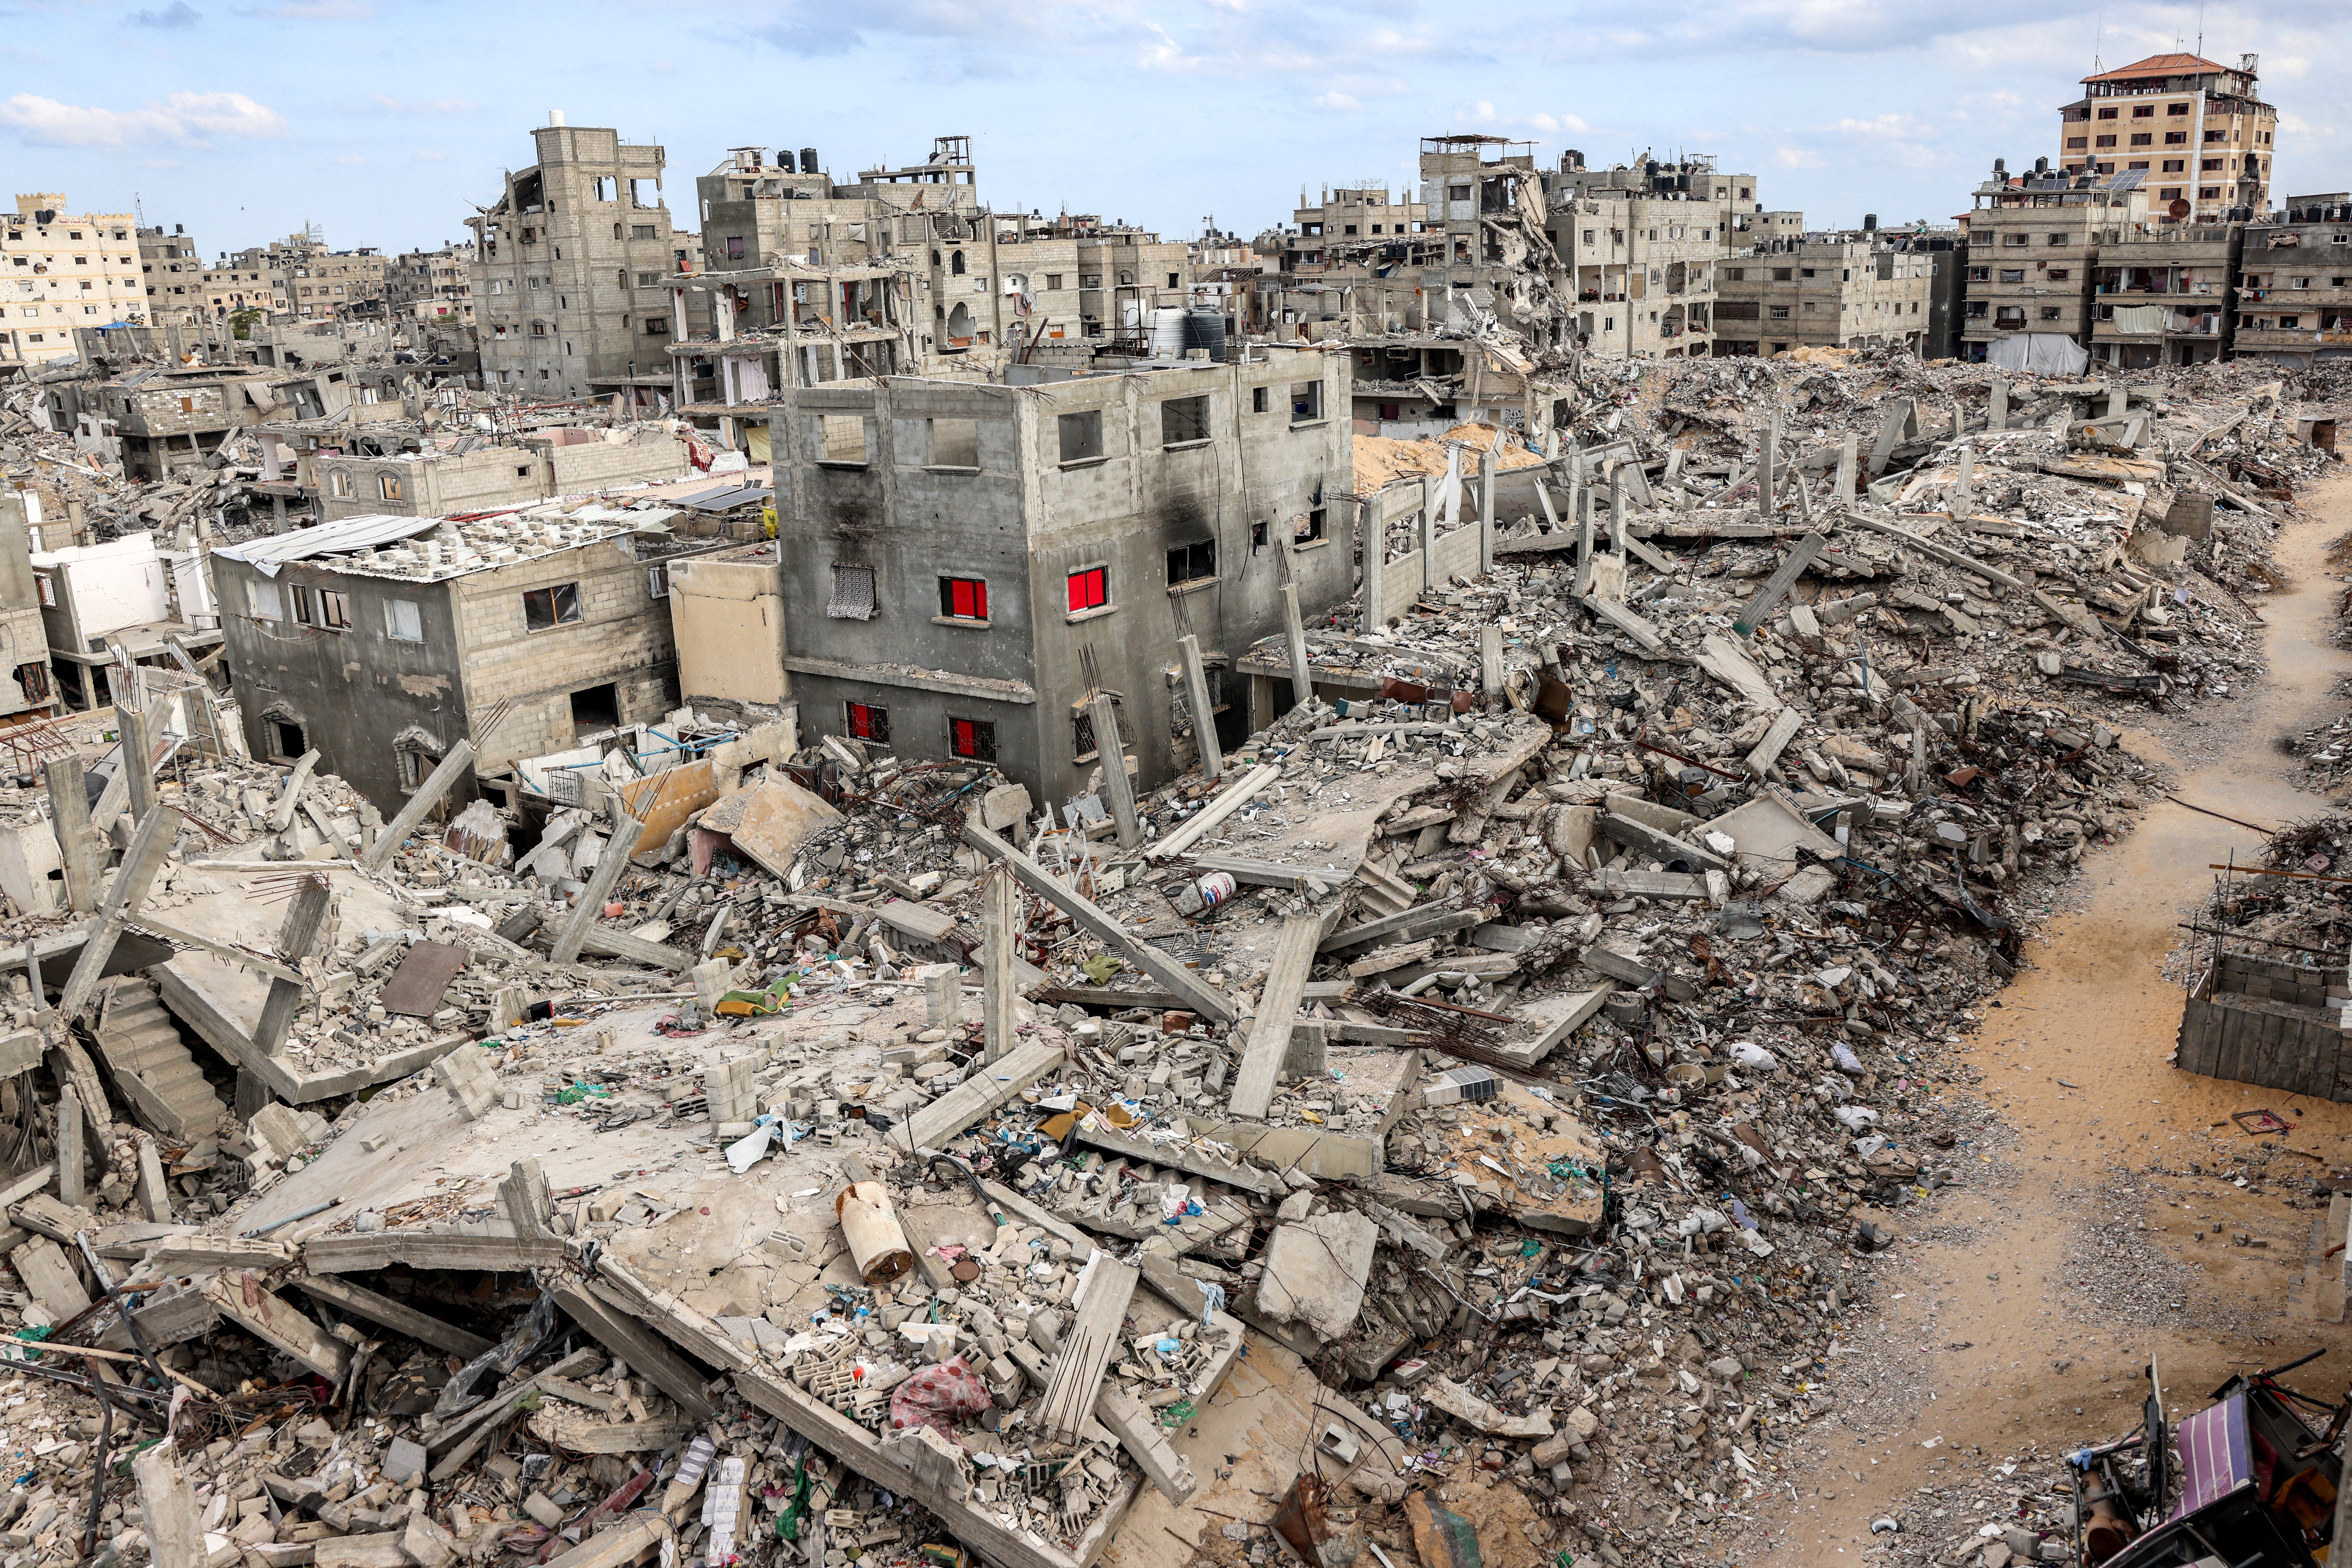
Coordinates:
(2179, 208)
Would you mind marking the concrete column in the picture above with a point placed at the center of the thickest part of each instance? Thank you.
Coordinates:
(70, 817)
(1486, 510)
(1964, 491)
(1302, 678)
(1490, 659)
(1849, 463)
(1374, 530)
(1767, 470)
(1204, 719)
(1000, 903)
(1429, 490)
(1997, 408)
(1119, 791)
(71, 1128)
(138, 753)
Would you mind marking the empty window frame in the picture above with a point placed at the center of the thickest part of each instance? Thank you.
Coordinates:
(1195, 562)
(1081, 435)
(841, 438)
(869, 722)
(973, 738)
(963, 598)
(852, 593)
(545, 607)
(290, 741)
(334, 610)
(388, 486)
(1261, 399)
(1305, 401)
(955, 443)
(1183, 420)
(1311, 526)
(403, 620)
(261, 601)
(657, 581)
(595, 708)
(1090, 589)
(47, 586)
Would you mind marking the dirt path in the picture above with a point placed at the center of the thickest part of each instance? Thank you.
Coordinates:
(1996, 1340)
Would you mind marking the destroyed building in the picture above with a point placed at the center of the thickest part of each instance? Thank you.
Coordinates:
(431, 284)
(2033, 246)
(171, 266)
(2166, 297)
(125, 601)
(300, 279)
(2294, 295)
(430, 477)
(966, 568)
(1841, 291)
(2195, 131)
(60, 271)
(571, 268)
(1645, 245)
(383, 642)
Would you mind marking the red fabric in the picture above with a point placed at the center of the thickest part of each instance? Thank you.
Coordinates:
(968, 597)
(1090, 589)
(861, 721)
(936, 1394)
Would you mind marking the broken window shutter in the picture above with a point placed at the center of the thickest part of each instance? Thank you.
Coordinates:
(853, 593)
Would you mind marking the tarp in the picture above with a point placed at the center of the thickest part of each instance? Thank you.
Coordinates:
(2038, 353)
(2140, 318)
(342, 537)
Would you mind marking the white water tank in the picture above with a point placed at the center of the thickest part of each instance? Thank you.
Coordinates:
(1167, 333)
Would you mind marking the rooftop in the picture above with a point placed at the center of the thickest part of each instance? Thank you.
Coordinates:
(2158, 65)
(377, 544)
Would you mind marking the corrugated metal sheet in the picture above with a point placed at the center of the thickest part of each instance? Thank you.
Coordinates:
(338, 538)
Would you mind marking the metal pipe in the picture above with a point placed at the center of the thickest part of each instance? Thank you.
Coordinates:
(290, 1219)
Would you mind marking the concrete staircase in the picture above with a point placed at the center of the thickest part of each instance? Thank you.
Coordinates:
(151, 1064)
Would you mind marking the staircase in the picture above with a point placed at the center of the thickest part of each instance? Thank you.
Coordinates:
(151, 1064)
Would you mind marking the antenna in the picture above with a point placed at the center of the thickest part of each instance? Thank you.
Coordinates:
(2200, 39)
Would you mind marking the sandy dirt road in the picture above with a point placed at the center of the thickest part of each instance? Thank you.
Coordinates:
(2031, 1324)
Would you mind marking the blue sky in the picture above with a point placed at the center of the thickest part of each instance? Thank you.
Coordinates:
(386, 121)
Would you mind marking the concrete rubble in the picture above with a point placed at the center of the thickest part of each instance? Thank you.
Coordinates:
(1535, 1034)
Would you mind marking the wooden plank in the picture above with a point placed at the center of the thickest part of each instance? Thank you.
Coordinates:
(1278, 1009)
(1169, 972)
(360, 1302)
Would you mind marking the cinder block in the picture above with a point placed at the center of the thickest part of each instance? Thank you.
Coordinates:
(471, 1080)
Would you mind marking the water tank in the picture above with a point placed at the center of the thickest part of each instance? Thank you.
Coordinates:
(2042, 165)
(784, 158)
(1204, 327)
(808, 161)
(1999, 166)
(1682, 182)
(1870, 223)
(1167, 340)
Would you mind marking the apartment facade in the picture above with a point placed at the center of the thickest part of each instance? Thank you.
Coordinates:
(434, 479)
(58, 271)
(2033, 242)
(2294, 305)
(2166, 298)
(572, 267)
(431, 284)
(1644, 244)
(2197, 132)
(1842, 290)
(966, 565)
(174, 270)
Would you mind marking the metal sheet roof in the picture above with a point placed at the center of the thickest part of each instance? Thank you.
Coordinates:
(365, 532)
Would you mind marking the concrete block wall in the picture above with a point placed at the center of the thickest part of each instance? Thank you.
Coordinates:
(622, 639)
(2269, 1022)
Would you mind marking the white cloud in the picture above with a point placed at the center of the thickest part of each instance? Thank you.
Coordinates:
(183, 117)
(428, 156)
(351, 158)
(1556, 122)
(1337, 101)
(1796, 158)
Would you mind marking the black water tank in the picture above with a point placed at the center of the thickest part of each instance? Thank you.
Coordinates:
(2001, 165)
(2042, 165)
(784, 158)
(1870, 223)
(808, 161)
(1204, 327)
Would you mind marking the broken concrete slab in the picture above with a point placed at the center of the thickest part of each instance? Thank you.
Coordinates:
(1314, 1272)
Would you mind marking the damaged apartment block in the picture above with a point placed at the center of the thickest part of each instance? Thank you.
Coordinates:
(967, 568)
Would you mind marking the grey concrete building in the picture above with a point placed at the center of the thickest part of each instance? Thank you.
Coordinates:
(571, 266)
(2033, 240)
(2167, 297)
(1643, 243)
(2295, 304)
(1841, 291)
(172, 268)
(446, 475)
(961, 567)
(382, 641)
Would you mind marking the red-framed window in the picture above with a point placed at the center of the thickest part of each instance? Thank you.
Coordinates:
(974, 738)
(963, 598)
(869, 722)
(1090, 589)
